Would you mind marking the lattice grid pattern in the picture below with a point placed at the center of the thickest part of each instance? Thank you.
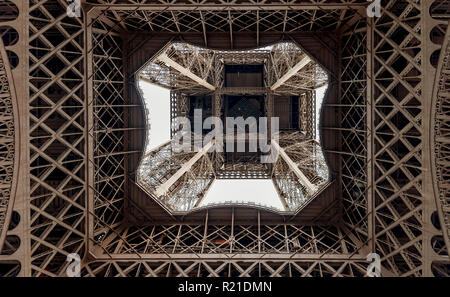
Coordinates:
(76, 176)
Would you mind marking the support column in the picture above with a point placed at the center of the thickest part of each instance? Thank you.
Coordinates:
(184, 71)
(370, 103)
(164, 188)
(430, 200)
(311, 187)
(305, 61)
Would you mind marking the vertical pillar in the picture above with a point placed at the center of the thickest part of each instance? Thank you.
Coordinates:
(90, 187)
(428, 80)
(370, 103)
(22, 194)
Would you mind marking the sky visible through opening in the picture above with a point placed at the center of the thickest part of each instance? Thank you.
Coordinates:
(157, 102)
(259, 191)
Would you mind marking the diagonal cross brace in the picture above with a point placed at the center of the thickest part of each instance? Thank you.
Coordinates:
(184, 71)
(297, 67)
(310, 186)
(164, 188)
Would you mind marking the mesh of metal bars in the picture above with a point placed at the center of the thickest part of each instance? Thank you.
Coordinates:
(309, 158)
(388, 213)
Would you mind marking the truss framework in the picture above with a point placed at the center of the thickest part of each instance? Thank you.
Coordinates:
(439, 141)
(179, 180)
(75, 204)
(191, 70)
(7, 148)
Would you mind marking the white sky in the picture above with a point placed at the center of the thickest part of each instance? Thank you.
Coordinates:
(320, 93)
(260, 191)
(157, 101)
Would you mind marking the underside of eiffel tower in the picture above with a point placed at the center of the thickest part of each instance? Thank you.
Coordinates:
(366, 171)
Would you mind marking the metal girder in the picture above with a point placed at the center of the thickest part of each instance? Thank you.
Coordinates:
(439, 157)
(226, 17)
(248, 257)
(292, 71)
(311, 187)
(86, 201)
(287, 69)
(162, 189)
(230, 7)
(297, 67)
(8, 121)
(184, 71)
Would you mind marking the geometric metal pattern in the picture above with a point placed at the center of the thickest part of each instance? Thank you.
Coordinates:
(189, 189)
(308, 157)
(57, 138)
(284, 57)
(402, 207)
(7, 143)
(353, 135)
(397, 181)
(188, 70)
(71, 151)
(223, 17)
(440, 157)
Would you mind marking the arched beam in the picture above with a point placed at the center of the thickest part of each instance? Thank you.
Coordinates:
(7, 144)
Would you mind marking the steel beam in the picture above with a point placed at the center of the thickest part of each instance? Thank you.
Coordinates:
(229, 7)
(164, 188)
(305, 61)
(311, 187)
(186, 72)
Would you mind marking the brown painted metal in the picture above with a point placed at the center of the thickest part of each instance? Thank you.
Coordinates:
(73, 159)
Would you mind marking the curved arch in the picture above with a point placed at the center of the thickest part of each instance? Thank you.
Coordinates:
(242, 205)
(8, 161)
(440, 119)
(154, 170)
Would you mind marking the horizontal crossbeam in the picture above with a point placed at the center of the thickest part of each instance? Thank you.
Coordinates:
(230, 7)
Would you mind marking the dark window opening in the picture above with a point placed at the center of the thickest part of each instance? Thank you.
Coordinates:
(244, 76)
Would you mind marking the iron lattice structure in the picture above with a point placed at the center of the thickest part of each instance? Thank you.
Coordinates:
(187, 70)
(67, 149)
